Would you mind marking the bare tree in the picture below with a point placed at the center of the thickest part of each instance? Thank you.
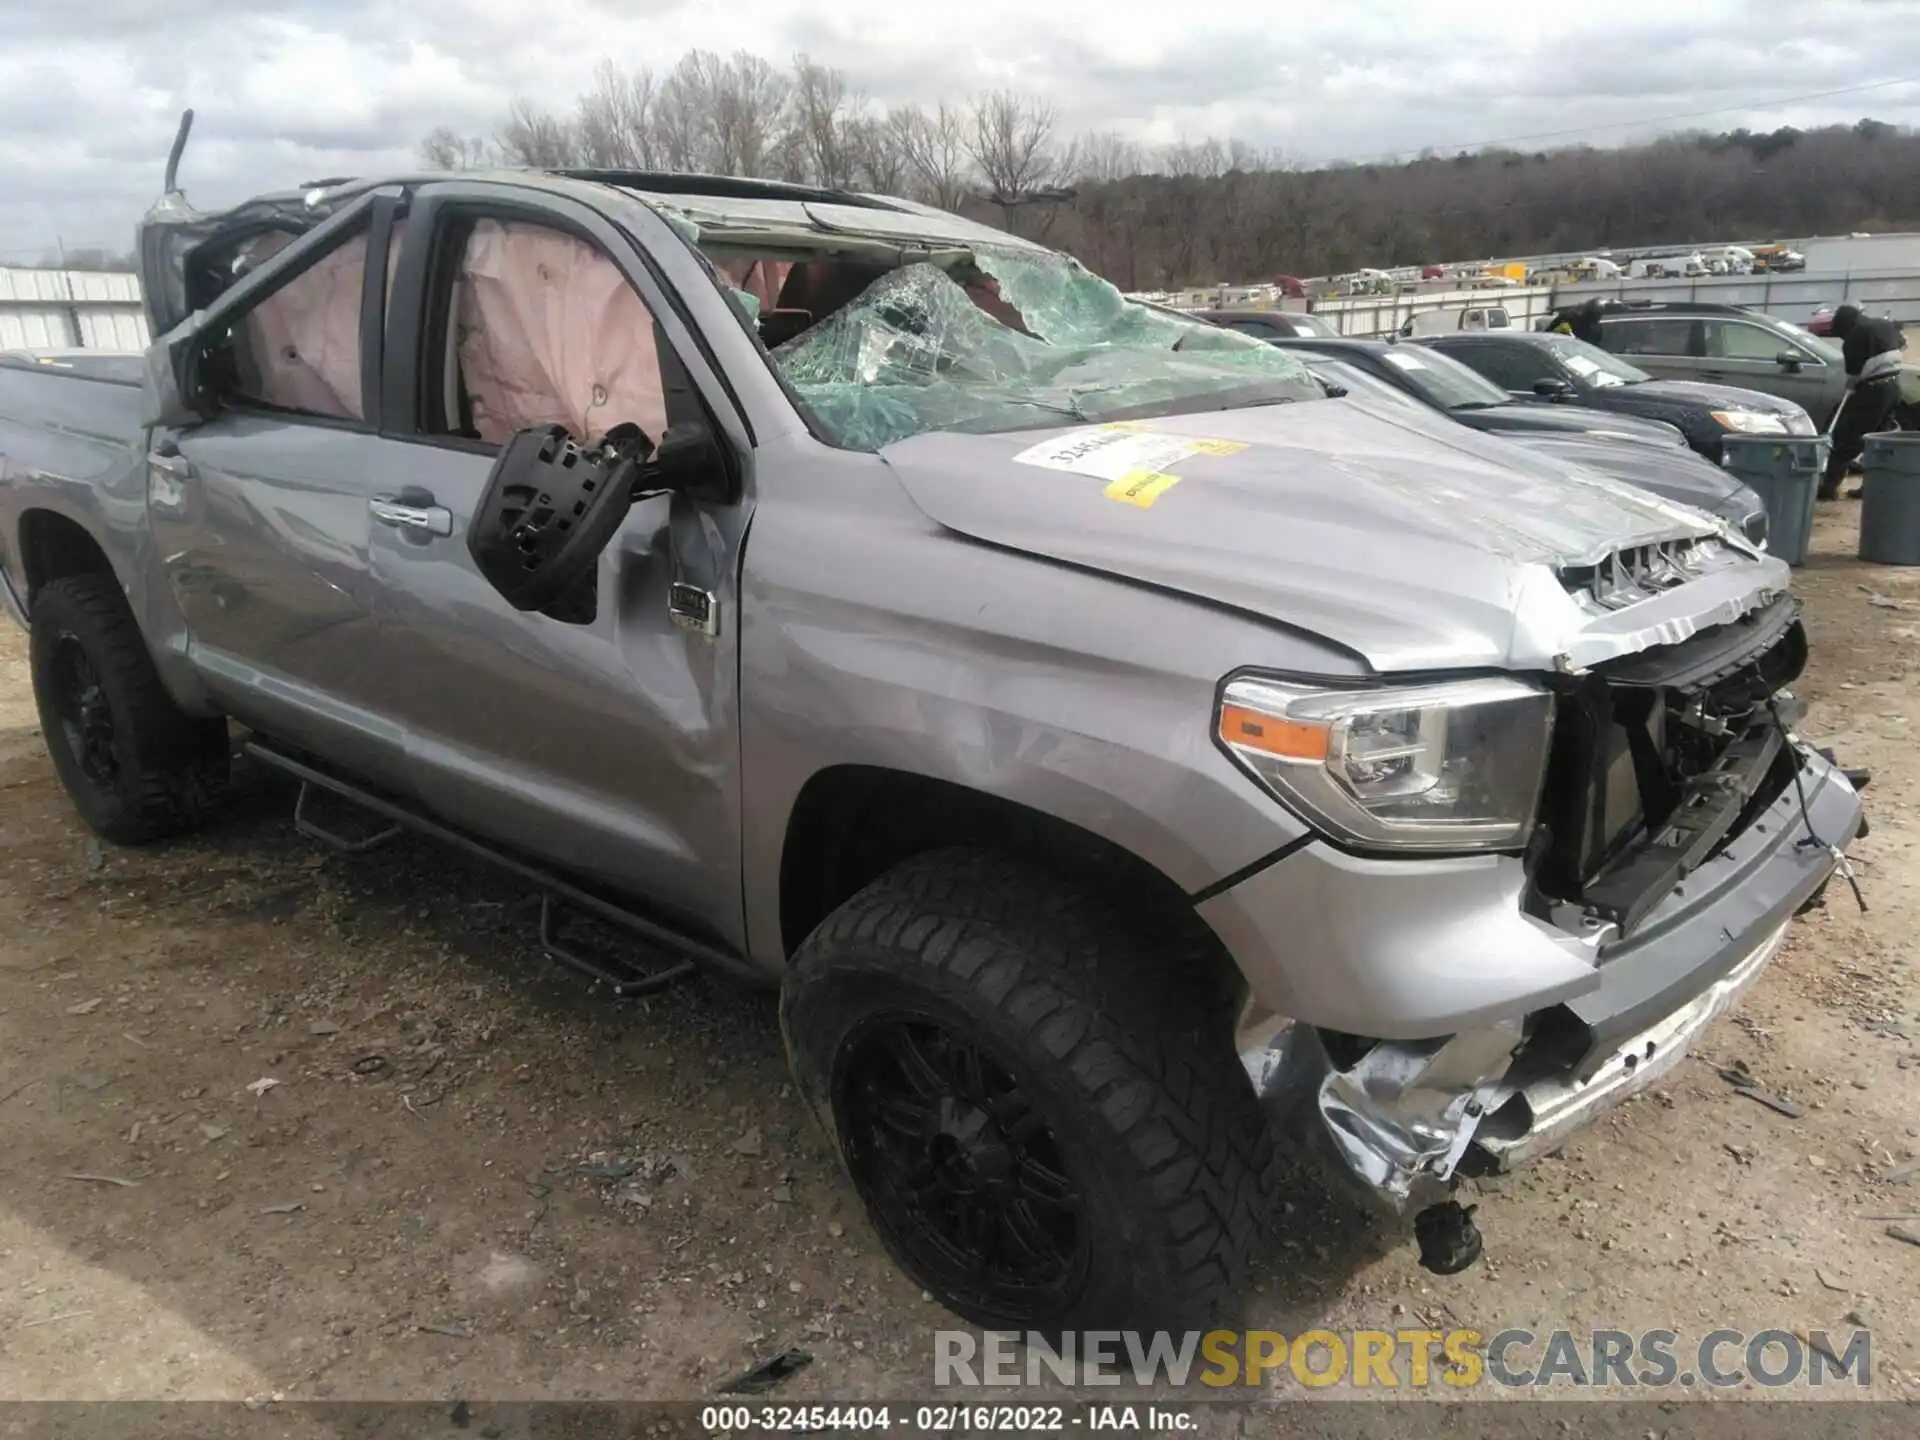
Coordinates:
(749, 96)
(1012, 143)
(616, 119)
(683, 113)
(935, 147)
(1108, 156)
(536, 138)
(445, 148)
(877, 159)
(821, 113)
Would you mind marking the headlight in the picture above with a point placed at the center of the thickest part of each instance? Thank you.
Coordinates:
(1751, 422)
(1800, 423)
(1455, 766)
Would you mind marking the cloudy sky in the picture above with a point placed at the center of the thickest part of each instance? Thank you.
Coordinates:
(289, 90)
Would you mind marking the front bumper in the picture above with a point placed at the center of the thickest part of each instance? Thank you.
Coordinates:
(1406, 1110)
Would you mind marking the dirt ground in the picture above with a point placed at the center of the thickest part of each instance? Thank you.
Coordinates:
(283, 1123)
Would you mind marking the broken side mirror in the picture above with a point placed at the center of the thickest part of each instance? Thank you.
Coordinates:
(690, 462)
(549, 508)
(551, 505)
(1552, 389)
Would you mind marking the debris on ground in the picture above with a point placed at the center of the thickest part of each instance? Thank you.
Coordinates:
(763, 1378)
(85, 1007)
(261, 1086)
(1900, 1232)
(103, 1180)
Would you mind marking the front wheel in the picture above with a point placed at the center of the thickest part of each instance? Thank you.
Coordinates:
(135, 765)
(1041, 1110)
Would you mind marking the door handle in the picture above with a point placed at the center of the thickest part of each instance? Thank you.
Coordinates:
(423, 519)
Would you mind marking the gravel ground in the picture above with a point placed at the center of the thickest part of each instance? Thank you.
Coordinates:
(282, 1123)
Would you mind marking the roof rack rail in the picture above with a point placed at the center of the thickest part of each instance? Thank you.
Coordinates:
(733, 187)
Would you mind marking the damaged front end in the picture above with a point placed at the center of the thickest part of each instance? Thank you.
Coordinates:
(1682, 825)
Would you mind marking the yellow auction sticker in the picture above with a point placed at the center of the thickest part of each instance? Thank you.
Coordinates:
(1135, 461)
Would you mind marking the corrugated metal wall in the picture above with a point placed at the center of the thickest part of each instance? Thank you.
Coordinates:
(70, 310)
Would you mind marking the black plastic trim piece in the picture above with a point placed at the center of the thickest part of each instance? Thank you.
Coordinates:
(1247, 872)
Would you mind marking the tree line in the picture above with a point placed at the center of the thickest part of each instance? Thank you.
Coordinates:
(1208, 211)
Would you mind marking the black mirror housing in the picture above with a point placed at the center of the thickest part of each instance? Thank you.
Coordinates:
(549, 509)
(552, 505)
(690, 461)
(1551, 389)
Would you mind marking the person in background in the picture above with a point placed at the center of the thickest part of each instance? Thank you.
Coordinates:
(1580, 321)
(1871, 349)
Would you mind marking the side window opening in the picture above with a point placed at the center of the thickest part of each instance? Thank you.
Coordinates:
(297, 348)
(546, 330)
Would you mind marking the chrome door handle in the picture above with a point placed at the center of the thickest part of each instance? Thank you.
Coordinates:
(426, 519)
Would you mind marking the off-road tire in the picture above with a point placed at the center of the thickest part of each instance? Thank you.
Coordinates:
(163, 769)
(1121, 1041)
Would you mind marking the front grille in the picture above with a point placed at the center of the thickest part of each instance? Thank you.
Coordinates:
(1629, 576)
(1659, 758)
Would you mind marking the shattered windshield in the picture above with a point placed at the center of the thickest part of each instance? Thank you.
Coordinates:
(1017, 339)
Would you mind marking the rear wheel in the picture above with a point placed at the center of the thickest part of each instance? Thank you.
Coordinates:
(1038, 1103)
(136, 766)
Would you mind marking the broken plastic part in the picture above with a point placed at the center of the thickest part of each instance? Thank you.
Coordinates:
(916, 352)
(1449, 1240)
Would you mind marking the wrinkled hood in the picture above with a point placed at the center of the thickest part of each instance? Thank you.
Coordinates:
(1413, 542)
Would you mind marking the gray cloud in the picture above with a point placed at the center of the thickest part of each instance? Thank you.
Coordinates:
(289, 89)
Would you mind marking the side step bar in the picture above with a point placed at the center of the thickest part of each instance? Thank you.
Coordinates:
(557, 895)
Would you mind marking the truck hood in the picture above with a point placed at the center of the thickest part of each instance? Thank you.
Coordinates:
(1417, 544)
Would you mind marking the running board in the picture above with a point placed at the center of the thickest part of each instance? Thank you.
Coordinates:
(557, 895)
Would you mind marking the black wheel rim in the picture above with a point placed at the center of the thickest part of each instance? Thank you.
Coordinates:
(960, 1169)
(84, 714)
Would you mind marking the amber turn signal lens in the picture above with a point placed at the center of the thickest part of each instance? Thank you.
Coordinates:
(1288, 739)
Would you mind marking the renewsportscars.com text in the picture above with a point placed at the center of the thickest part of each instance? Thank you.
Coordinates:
(1405, 1359)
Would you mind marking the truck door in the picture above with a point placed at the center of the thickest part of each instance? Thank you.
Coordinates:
(259, 512)
(609, 746)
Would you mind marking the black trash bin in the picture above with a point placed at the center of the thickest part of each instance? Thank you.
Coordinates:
(1785, 471)
(1890, 500)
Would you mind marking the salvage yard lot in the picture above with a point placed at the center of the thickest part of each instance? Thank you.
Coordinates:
(470, 1177)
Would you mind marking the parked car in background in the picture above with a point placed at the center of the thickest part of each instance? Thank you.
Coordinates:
(1267, 324)
(1778, 259)
(1459, 317)
(1642, 453)
(1558, 368)
(1443, 383)
(1730, 345)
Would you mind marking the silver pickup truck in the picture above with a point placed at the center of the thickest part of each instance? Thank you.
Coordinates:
(1132, 763)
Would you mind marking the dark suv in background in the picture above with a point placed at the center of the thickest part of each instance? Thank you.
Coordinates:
(1536, 365)
(1729, 345)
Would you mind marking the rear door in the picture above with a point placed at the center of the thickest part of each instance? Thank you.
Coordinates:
(259, 513)
(1665, 346)
(608, 747)
(1758, 357)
